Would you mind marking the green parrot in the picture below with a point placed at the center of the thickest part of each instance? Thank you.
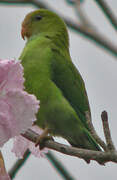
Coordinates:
(52, 77)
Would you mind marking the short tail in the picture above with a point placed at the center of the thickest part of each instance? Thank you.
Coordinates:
(86, 142)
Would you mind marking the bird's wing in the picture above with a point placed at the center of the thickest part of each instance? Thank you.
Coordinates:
(69, 81)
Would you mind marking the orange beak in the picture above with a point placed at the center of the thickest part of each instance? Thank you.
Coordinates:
(23, 32)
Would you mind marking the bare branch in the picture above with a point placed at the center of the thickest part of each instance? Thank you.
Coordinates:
(50, 156)
(3, 172)
(83, 17)
(107, 133)
(2, 165)
(94, 133)
(15, 1)
(108, 12)
(59, 166)
(97, 38)
(18, 164)
(100, 157)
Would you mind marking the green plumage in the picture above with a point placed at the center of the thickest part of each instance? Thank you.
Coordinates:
(51, 76)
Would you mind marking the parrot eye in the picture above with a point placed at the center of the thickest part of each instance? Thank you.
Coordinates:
(38, 17)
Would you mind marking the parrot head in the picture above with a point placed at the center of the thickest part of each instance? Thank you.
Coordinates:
(42, 21)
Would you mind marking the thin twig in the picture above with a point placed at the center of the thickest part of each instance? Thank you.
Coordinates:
(101, 157)
(14, 1)
(108, 12)
(18, 165)
(97, 38)
(107, 133)
(3, 172)
(94, 133)
(2, 165)
(83, 17)
(59, 167)
(55, 162)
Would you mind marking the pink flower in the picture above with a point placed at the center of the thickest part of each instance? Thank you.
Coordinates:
(17, 107)
(4, 176)
(11, 75)
(21, 144)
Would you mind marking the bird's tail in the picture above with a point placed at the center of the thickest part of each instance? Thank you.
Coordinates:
(86, 141)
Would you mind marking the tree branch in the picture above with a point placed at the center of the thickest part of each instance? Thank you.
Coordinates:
(94, 37)
(94, 133)
(58, 166)
(50, 156)
(108, 12)
(99, 156)
(3, 172)
(83, 17)
(18, 164)
(107, 133)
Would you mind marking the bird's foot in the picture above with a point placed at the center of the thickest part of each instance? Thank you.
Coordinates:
(42, 138)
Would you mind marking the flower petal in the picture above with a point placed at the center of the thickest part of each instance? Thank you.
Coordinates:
(11, 75)
(17, 113)
(5, 116)
(4, 177)
(21, 144)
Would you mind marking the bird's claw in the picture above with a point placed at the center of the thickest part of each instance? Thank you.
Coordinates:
(41, 141)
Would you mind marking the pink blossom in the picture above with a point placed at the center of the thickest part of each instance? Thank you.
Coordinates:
(11, 75)
(17, 107)
(21, 144)
(4, 176)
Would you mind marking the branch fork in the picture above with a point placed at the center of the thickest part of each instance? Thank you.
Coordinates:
(102, 157)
